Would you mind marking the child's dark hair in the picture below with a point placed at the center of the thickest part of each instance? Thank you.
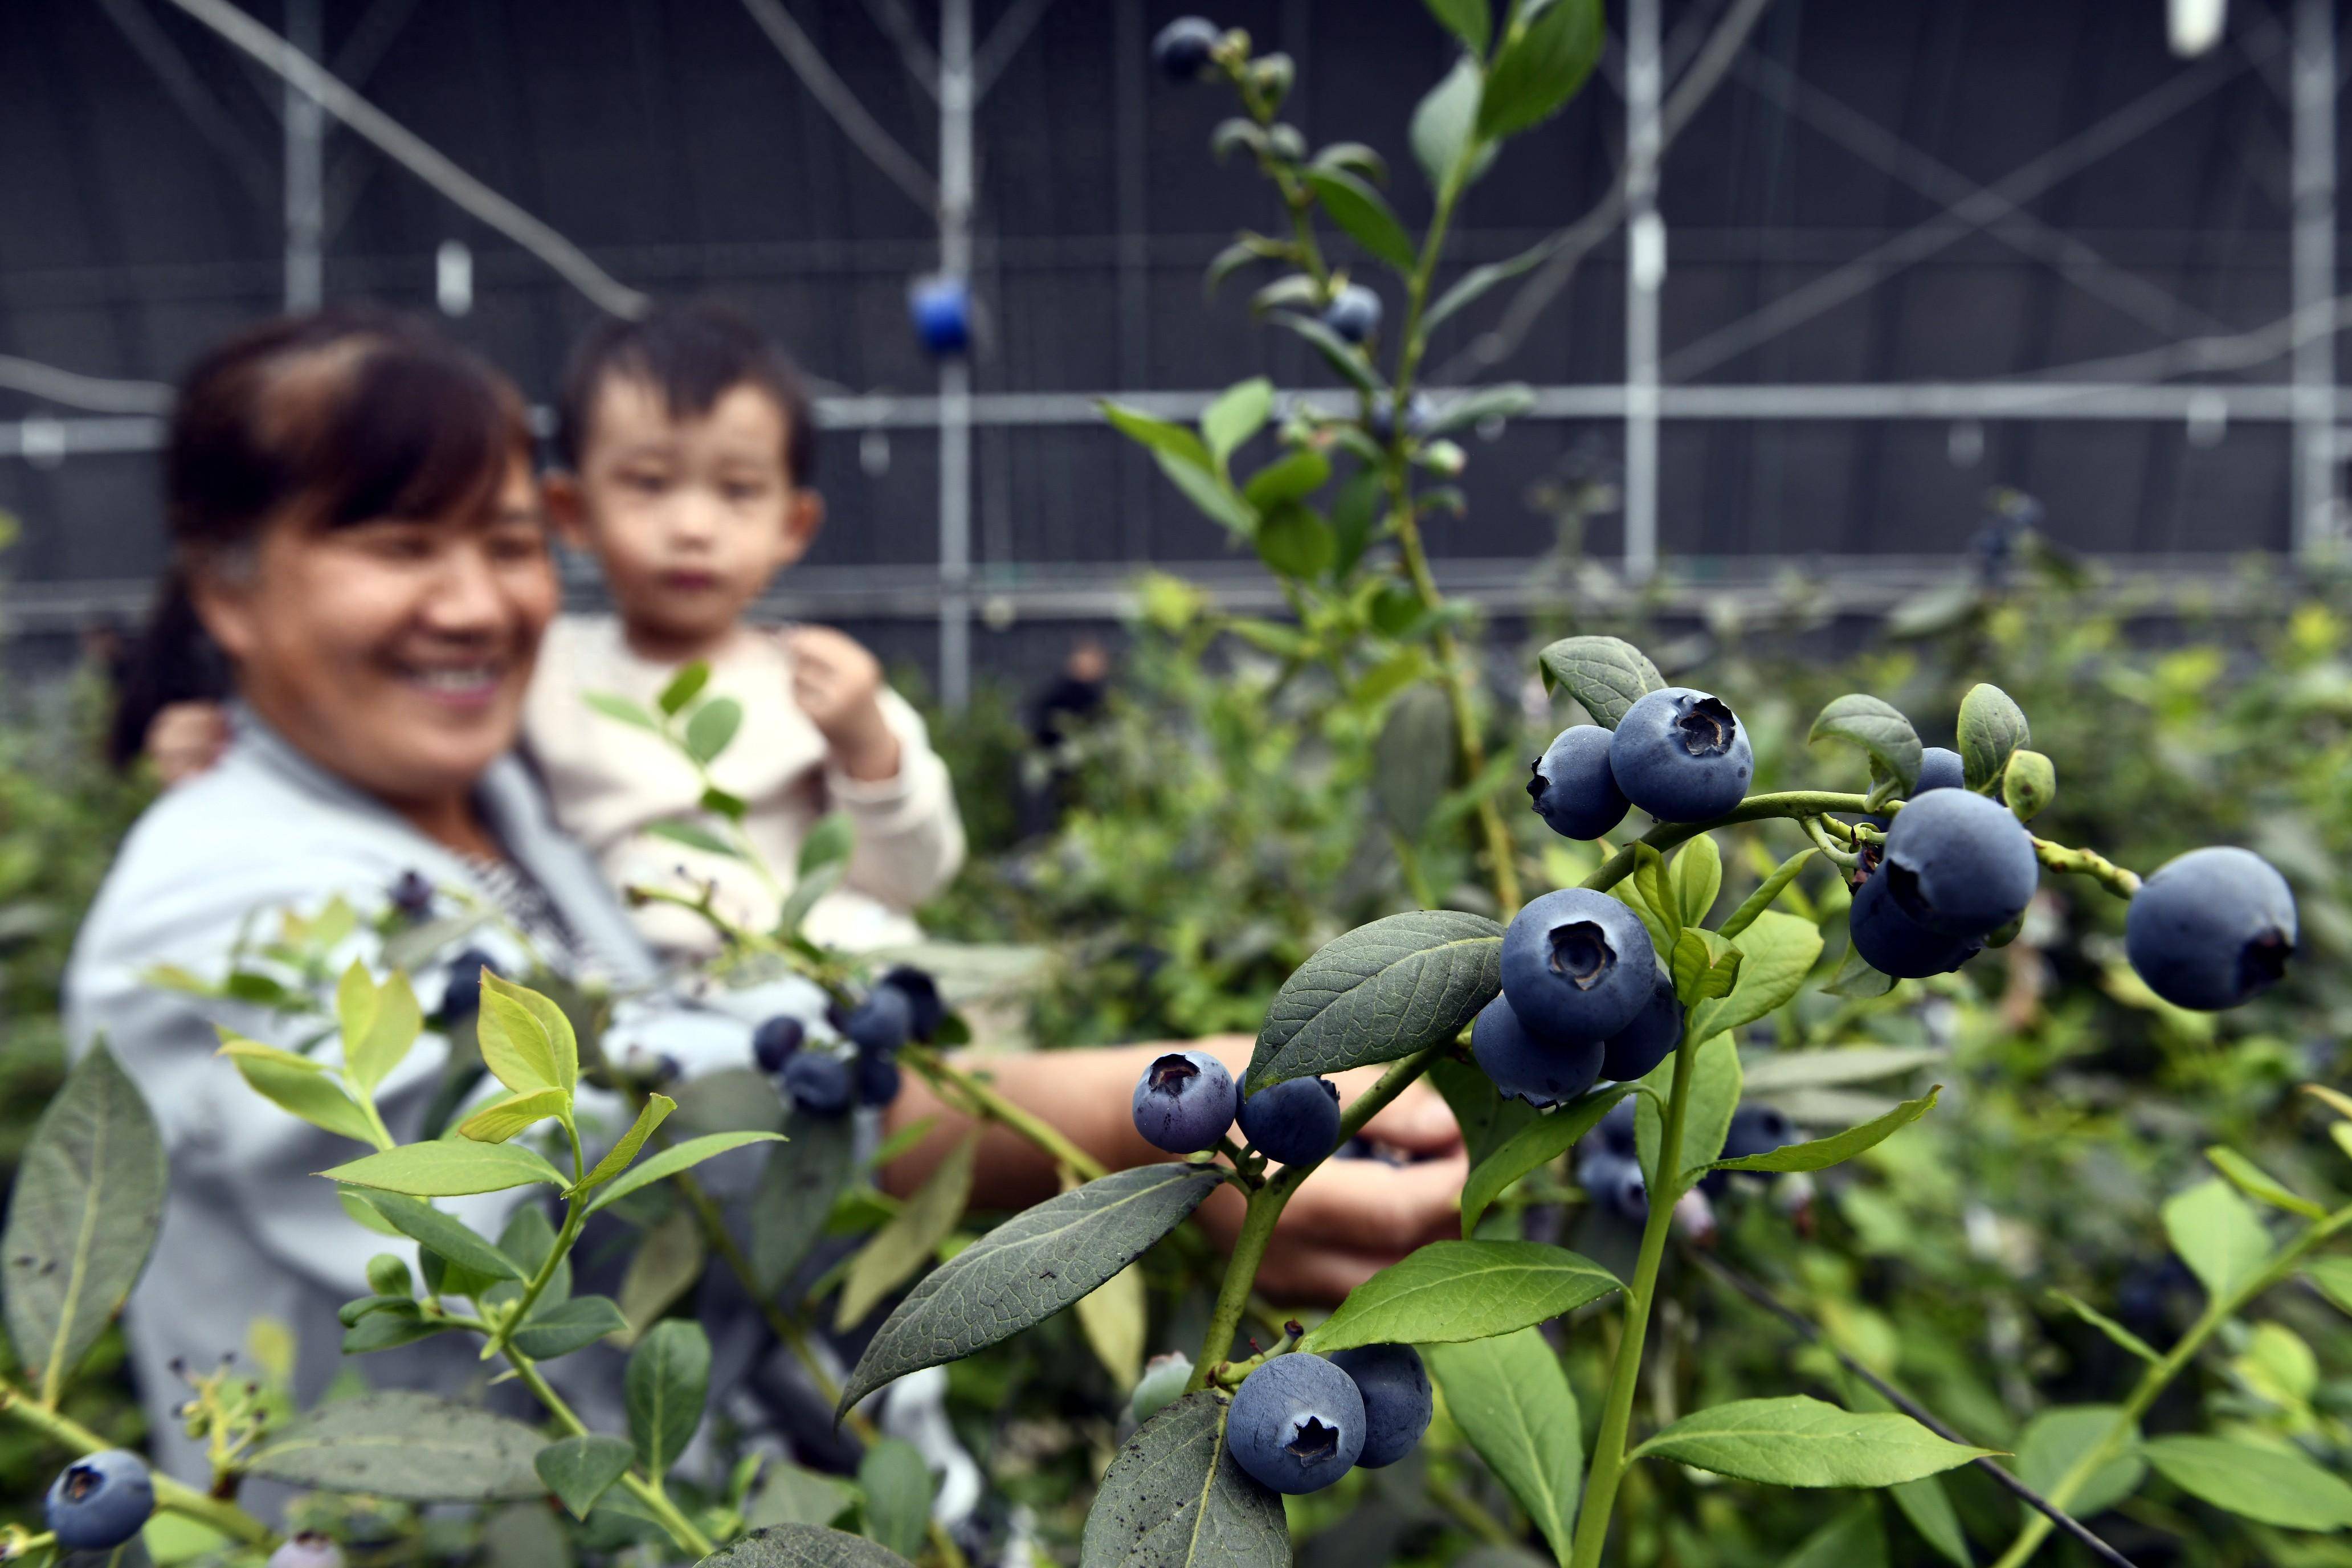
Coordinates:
(693, 354)
(344, 415)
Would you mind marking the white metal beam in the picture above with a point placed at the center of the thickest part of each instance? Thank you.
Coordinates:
(2314, 273)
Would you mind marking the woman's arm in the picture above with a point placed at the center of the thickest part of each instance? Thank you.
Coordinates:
(1350, 1219)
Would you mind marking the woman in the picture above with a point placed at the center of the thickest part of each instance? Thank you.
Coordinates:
(352, 507)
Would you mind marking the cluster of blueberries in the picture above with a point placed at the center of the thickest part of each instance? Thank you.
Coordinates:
(100, 1501)
(1609, 1167)
(860, 1066)
(1186, 1101)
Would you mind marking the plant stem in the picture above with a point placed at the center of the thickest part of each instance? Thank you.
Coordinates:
(1608, 1468)
(2122, 883)
(1755, 808)
(2154, 1381)
(649, 1492)
(984, 1101)
(176, 1495)
(1468, 1512)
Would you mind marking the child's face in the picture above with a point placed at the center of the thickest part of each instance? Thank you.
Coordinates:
(690, 517)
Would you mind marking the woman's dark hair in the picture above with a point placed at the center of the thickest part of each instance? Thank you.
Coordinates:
(341, 416)
(693, 354)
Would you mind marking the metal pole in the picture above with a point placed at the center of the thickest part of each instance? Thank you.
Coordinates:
(955, 370)
(1645, 273)
(2314, 274)
(306, 188)
(1128, 67)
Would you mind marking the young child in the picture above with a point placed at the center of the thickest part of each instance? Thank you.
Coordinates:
(687, 448)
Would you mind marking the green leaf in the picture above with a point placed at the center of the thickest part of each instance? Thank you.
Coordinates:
(529, 1239)
(1856, 980)
(1512, 1400)
(83, 1216)
(1163, 437)
(1992, 727)
(390, 1329)
(2029, 783)
(398, 1443)
(803, 898)
(2055, 1440)
(1116, 1318)
(671, 1161)
(1605, 675)
(1650, 881)
(683, 687)
(1487, 1119)
(622, 709)
(830, 839)
(1237, 414)
(694, 837)
(668, 1262)
(803, 1546)
(1698, 878)
(1537, 72)
(1028, 1268)
(563, 1045)
(394, 1027)
(1508, 401)
(1854, 1539)
(1413, 760)
(1338, 353)
(1173, 1498)
(796, 1191)
(1771, 887)
(1223, 264)
(572, 1325)
(1296, 543)
(1292, 477)
(1475, 284)
(2334, 1278)
(2220, 1239)
(1801, 1442)
(446, 1234)
(1715, 1087)
(1365, 214)
(2271, 1485)
(1783, 1071)
(1354, 513)
(791, 1495)
(1822, 1152)
(1777, 951)
(1472, 21)
(579, 1470)
(1211, 493)
(1452, 1290)
(2260, 1184)
(502, 1118)
(1879, 728)
(712, 729)
(448, 1169)
(668, 1380)
(1928, 1506)
(1378, 992)
(298, 1085)
(899, 1249)
(1443, 122)
(1531, 1148)
(1356, 158)
(898, 1487)
(653, 1112)
(2114, 1332)
(514, 1040)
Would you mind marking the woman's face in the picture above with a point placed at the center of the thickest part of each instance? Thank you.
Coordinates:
(394, 653)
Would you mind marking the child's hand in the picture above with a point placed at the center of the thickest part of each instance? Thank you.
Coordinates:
(185, 739)
(838, 685)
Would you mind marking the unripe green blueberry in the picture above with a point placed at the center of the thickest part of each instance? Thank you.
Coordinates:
(1162, 1385)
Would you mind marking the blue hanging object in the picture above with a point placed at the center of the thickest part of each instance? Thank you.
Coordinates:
(941, 308)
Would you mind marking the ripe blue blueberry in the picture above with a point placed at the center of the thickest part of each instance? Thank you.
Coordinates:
(927, 1010)
(1185, 1101)
(1397, 1402)
(1577, 965)
(1541, 1071)
(307, 1550)
(1614, 1183)
(1418, 413)
(1162, 1385)
(1295, 1122)
(1354, 313)
(2211, 929)
(463, 998)
(1939, 768)
(878, 1079)
(1183, 47)
(100, 1501)
(1616, 1132)
(1653, 1034)
(1573, 789)
(774, 1041)
(879, 1025)
(820, 1083)
(1296, 1422)
(1755, 1129)
(1959, 863)
(940, 309)
(411, 895)
(1682, 755)
(1893, 943)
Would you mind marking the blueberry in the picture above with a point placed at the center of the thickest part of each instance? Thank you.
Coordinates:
(1541, 1072)
(1681, 756)
(1893, 943)
(1418, 413)
(1959, 863)
(1162, 1385)
(2211, 929)
(1296, 1422)
(878, 1079)
(411, 895)
(463, 998)
(774, 1041)
(1755, 1129)
(927, 1009)
(1295, 1122)
(1397, 1403)
(1615, 1184)
(820, 1083)
(100, 1501)
(1185, 1101)
(1651, 1037)
(879, 1025)
(1939, 768)
(1577, 965)
(307, 1550)
(1573, 789)
(1182, 50)
(1354, 313)
(1616, 1135)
